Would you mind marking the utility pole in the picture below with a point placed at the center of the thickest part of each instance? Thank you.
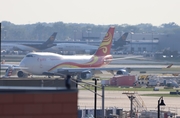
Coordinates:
(152, 42)
(95, 95)
(160, 103)
(102, 101)
(131, 105)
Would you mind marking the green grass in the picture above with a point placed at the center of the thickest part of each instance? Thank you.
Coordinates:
(127, 89)
(158, 95)
(12, 60)
(12, 57)
(135, 89)
(111, 88)
(168, 59)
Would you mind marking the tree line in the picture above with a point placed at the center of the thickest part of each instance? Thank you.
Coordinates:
(41, 31)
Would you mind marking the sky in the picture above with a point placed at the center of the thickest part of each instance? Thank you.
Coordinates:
(98, 12)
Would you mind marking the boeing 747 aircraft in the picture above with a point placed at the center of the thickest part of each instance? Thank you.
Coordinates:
(30, 47)
(46, 63)
(85, 67)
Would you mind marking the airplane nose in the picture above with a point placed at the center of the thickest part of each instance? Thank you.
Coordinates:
(22, 64)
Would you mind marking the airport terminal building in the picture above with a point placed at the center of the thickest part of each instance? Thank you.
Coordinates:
(151, 42)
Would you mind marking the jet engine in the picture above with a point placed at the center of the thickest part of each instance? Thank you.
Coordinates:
(86, 75)
(122, 72)
(21, 74)
(11, 71)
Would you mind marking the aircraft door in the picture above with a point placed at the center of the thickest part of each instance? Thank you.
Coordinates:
(40, 65)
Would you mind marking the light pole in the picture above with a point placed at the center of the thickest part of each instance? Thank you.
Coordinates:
(152, 41)
(160, 103)
(131, 99)
(88, 31)
(102, 100)
(0, 31)
(95, 95)
(131, 42)
(75, 35)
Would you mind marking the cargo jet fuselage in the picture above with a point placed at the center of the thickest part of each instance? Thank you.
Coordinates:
(30, 47)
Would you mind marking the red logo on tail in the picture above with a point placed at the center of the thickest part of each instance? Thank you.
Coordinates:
(105, 47)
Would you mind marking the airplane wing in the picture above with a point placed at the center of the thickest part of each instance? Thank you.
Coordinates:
(87, 73)
(129, 69)
(6, 66)
(122, 58)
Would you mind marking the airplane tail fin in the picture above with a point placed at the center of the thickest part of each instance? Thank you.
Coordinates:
(124, 36)
(50, 41)
(169, 66)
(121, 41)
(105, 47)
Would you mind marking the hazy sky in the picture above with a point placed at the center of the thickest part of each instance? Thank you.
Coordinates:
(103, 12)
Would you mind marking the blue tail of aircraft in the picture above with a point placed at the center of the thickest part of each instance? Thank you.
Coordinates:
(50, 41)
(121, 42)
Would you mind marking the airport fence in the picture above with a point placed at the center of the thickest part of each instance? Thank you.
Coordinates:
(114, 112)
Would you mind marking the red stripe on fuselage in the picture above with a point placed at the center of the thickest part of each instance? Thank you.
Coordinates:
(100, 62)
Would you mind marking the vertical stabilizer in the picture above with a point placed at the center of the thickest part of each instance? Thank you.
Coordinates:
(121, 42)
(105, 47)
(50, 41)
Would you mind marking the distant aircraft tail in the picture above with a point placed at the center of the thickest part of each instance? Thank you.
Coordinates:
(121, 41)
(105, 47)
(169, 66)
(50, 41)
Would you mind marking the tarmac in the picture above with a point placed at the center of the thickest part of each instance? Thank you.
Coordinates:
(119, 100)
(112, 98)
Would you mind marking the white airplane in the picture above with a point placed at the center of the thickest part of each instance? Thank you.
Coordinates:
(73, 47)
(30, 47)
(85, 67)
(45, 63)
(87, 48)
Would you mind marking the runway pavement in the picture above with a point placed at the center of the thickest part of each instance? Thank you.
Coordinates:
(117, 99)
(108, 75)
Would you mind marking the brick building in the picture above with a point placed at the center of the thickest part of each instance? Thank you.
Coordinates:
(38, 103)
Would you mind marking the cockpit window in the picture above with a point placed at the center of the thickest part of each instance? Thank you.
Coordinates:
(29, 55)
